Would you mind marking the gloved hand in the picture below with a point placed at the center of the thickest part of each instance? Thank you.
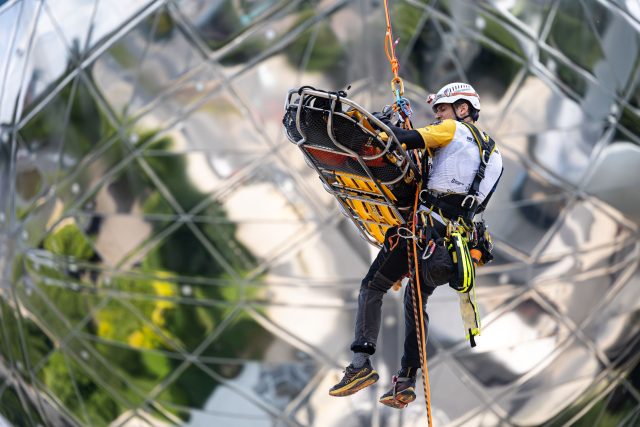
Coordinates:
(385, 115)
(387, 110)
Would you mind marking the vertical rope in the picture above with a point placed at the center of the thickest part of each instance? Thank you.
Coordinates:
(418, 311)
(389, 45)
(401, 104)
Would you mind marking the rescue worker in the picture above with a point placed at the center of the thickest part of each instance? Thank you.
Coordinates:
(455, 162)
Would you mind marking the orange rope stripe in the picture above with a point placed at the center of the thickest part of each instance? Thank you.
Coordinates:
(422, 341)
(397, 85)
(389, 46)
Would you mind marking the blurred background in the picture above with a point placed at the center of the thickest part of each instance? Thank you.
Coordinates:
(167, 258)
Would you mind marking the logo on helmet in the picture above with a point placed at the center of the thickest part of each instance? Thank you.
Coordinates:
(448, 91)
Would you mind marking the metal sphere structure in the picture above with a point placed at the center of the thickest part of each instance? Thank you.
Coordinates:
(167, 257)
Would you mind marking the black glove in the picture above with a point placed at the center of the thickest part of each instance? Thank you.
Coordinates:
(384, 116)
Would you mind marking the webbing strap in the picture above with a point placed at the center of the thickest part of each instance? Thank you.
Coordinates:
(450, 210)
(486, 148)
(469, 206)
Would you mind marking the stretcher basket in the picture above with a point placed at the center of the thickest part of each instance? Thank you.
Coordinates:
(368, 172)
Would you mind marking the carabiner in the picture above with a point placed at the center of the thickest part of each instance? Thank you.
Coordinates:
(397, 91)
(429, 249)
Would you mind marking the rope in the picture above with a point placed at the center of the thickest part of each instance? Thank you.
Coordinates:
(389, 47)
(401, 105)
(418, 314)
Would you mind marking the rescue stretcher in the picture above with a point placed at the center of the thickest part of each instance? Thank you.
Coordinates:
(370, 174)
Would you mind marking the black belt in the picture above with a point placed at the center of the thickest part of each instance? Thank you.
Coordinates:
(451, 205)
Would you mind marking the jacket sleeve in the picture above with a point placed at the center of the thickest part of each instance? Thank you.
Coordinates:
(438, 134)
(409, 137)
(433, 136)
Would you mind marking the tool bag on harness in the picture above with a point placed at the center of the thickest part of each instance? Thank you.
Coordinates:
(436, 264)
(464, 274)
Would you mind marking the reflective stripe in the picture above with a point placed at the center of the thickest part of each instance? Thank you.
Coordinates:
(442, 95)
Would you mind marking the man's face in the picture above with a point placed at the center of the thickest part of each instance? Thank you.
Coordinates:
(446, 111)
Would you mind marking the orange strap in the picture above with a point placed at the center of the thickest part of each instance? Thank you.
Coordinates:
(393, 243)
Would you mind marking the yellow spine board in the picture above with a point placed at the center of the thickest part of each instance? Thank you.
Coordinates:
(375, 218)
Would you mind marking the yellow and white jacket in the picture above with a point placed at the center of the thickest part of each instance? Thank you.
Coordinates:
(455, 159)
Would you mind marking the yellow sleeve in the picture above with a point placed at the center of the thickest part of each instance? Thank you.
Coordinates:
(439, 134)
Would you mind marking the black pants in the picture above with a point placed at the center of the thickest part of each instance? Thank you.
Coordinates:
(390, 265)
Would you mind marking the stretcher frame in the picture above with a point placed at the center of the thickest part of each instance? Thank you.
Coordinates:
(366, 198)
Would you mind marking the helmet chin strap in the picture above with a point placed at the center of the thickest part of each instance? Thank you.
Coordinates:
(455, 114)
(460, 119)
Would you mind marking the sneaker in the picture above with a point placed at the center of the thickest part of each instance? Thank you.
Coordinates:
(355, 379)
(403, 390)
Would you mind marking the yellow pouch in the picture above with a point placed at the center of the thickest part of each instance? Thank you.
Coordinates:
(462, 262)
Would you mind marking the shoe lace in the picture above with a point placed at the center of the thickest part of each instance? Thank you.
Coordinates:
(394, 381)
(349, 373)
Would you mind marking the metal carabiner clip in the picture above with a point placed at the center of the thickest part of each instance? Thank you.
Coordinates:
(429, 249)
(486, 156)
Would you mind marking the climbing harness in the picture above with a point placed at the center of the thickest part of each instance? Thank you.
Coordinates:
(464, 208)
(466, 240)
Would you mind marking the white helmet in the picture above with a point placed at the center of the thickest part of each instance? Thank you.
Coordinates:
(452, 92)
